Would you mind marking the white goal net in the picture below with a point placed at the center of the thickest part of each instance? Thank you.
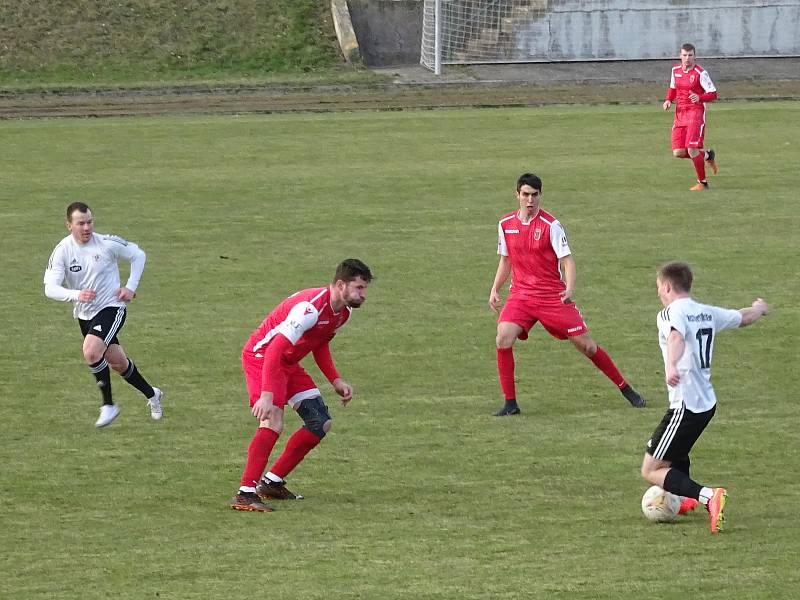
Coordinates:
(509, 31)
(473, 31)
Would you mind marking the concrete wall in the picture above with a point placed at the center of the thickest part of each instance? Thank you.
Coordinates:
(627, 29)
(569, 30)
(388, 31)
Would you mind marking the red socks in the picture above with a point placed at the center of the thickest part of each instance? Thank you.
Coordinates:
(257, 455)
(603, 361)
(505, 370)
(699, 162)
(300, 444)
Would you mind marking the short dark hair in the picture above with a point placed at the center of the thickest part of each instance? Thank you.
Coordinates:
(689, 48)
(531, 180)
(77, 207)
(679, 274)
(351, 269)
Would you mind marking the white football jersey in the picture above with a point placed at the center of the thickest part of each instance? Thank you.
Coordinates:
(699, 325)
(92, 265)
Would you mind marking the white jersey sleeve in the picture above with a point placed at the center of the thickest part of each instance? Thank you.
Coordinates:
(129, 251)
(726, 318)
(706, 83)
(302, 317)
(558, 240)
(502, 249)
(54, 276)
(672, 79)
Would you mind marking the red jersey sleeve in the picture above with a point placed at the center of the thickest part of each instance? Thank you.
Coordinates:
(324, 360)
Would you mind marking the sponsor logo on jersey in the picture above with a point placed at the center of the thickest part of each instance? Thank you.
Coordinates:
(322, 322)
(537, 233)
(571, 329)
(75, 268)
(309, 310)
(296, 325)
(699, 318)
(98, 327)
(511, 230)
(650, 443)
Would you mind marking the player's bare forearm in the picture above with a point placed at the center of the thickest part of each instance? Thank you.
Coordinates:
(570, 271)
(675, 349)
(753, 313)
(503, 271)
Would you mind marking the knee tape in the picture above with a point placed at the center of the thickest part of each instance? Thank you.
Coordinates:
(314, 414)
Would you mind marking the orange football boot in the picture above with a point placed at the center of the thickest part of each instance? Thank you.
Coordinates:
(715, 507)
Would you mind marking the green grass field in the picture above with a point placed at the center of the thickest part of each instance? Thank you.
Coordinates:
(417, 492)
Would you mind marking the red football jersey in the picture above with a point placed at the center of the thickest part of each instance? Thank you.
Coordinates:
(534, 249)
(305, 318)
(682, 83)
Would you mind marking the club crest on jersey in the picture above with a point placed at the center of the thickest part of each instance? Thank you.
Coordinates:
(691, 78)
(96, 257)
(537, 233)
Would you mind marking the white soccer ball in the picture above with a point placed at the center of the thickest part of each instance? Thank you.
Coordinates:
(660, 506)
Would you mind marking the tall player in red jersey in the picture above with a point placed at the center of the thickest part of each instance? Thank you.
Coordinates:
(303, 323)
(690, 87)
(533, 249)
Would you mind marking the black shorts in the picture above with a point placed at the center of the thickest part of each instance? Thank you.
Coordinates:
(677, 433)
(105, 324)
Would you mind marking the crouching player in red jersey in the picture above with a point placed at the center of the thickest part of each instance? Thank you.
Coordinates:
(303, 323)
(690, 87)
(533, 249)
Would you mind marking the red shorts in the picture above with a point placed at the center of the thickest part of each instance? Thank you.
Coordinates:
(560, 320)
(294, 385)
(689, 133)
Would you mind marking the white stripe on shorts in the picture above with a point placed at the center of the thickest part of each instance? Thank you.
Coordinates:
(669, 433)
(114, 326)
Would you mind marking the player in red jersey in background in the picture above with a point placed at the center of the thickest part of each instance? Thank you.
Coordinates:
(533, 249)
(303, 323)
(690, 87)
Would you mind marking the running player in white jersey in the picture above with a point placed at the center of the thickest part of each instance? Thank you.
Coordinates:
(87, 262)
(687, 331)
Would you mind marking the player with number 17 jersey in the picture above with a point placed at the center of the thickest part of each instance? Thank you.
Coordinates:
(698, 324)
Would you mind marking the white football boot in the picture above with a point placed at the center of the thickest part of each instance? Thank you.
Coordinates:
(108, 412)
(156, 411)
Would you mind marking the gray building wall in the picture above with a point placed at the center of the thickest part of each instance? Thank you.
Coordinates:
(626, 29)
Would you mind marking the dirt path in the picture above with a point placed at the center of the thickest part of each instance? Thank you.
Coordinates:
(498, 85)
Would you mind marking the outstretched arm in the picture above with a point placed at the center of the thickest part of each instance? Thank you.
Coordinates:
(753, 313)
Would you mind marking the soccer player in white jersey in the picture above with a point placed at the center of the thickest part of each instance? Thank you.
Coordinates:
(87, 262)
(687, 331)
